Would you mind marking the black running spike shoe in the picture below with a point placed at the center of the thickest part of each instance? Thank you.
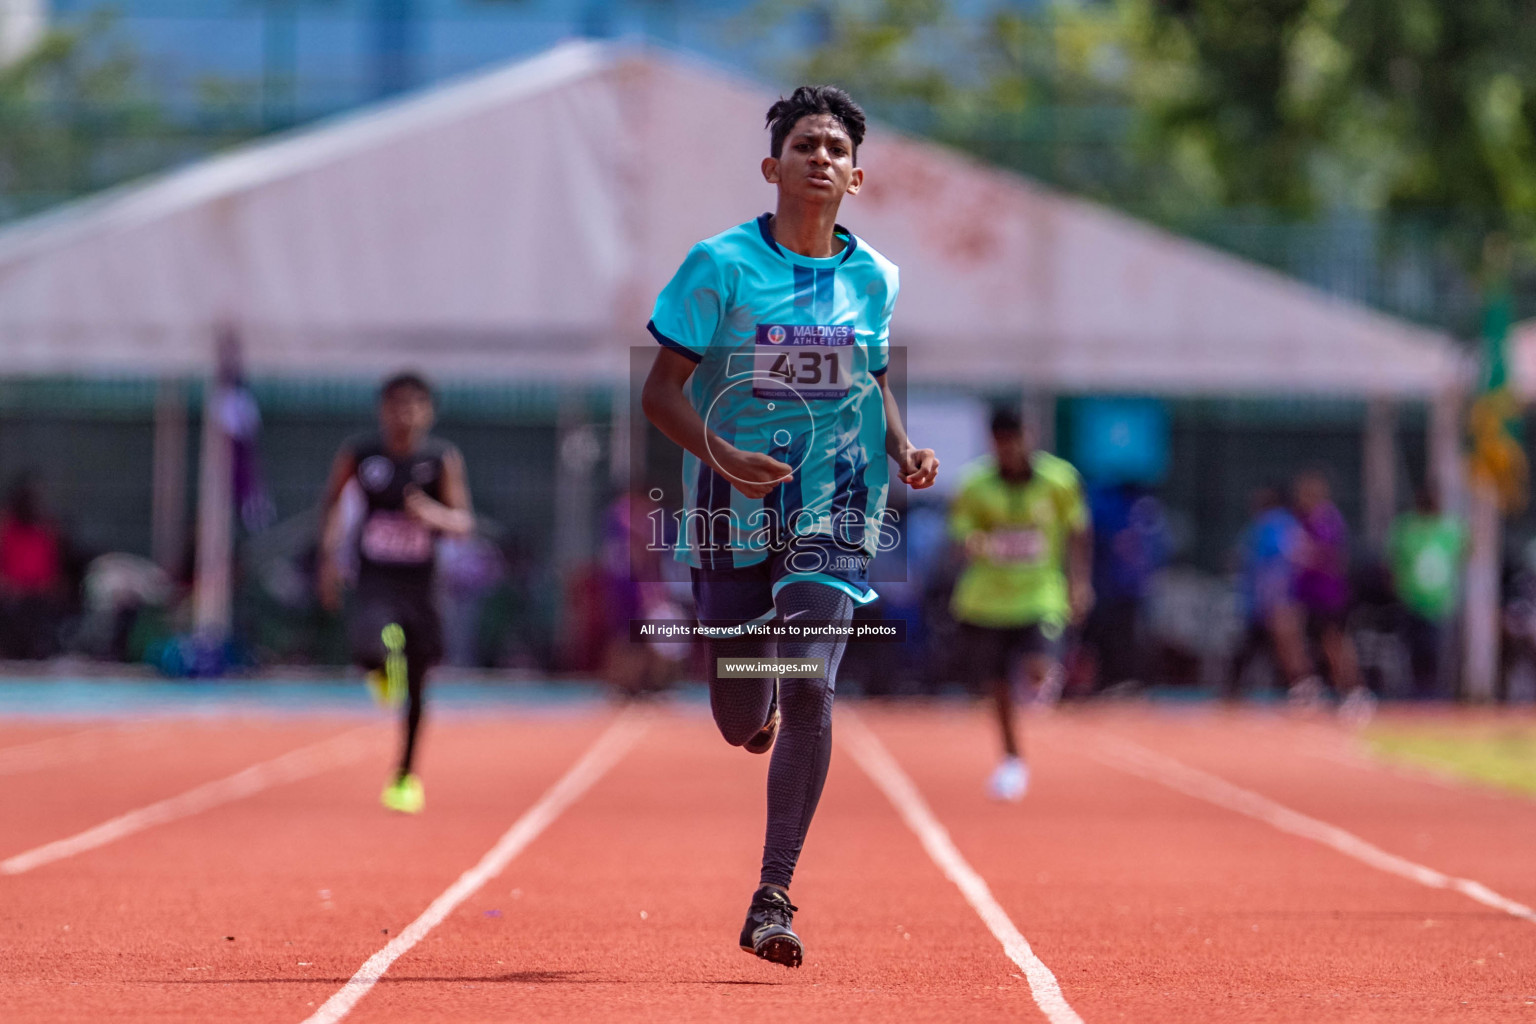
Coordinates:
(767, 932)
(762, 741)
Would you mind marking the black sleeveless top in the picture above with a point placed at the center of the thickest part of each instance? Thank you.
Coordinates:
(392, 546)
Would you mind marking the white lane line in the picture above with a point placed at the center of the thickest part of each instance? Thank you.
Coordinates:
(882, 769)
(82, 746)
(602, 755)
(291, 767)
(1135, 759)
(52, 750)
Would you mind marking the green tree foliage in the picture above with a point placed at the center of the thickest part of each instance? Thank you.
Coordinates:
(1414, 108)
(70, 119)
(1371, 145)
(1040, 94)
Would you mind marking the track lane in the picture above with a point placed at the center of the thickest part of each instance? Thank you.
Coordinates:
(1148, 905)
(1152, 906)
(306, 879)
(140, 767)
(1463, 830)
(67, 744)
(675, 832)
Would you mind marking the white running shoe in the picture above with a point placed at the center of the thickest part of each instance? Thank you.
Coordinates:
(1357, 709)
(1306, 694)
(1010, 781)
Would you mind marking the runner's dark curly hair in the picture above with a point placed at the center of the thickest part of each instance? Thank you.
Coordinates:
(809, 100)
(407, 380)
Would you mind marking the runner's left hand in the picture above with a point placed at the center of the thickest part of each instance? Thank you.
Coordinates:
(423, 509)
(918, 467)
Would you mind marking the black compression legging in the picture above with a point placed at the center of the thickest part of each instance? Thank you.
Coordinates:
(370, 652)
(415, 677)
(797, 770)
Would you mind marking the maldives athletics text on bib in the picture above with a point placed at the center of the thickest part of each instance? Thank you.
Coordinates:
(814, 361)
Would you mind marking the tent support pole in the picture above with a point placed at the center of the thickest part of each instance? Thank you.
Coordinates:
(215, 535)
(1380, 465)
(1444, 447)
(168, 529)
(576, 454)
(1480, 654)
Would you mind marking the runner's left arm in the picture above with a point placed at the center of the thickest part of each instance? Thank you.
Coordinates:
(453, 515)
(918, 466)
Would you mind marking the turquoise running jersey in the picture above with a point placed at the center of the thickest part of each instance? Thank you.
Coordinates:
(789, 349)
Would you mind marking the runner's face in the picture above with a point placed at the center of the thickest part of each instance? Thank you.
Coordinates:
(816, 163)
(1012, 450)
(405, 413)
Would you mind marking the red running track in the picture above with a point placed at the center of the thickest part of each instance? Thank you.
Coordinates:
(1148, 904)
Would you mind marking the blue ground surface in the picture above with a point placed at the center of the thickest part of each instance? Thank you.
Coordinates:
(102, 698)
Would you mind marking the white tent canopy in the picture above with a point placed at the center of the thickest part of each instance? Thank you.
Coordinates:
(519, 223)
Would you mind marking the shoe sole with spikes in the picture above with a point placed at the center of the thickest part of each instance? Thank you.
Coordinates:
(780, 948)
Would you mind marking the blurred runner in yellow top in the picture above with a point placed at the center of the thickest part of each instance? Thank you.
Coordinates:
(1024, 522)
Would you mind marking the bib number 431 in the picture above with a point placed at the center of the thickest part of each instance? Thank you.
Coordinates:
(808, 366)
(803, 361)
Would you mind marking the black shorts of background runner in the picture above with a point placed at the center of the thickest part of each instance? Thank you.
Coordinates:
(376, 604)
(992, 653)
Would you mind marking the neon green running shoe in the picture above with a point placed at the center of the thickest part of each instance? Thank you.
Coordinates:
(378, 688)
(404, 795)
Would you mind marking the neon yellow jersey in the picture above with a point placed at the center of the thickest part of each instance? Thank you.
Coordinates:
(1019, 578)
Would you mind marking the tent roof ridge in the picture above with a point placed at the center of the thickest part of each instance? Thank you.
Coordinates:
(271, 158)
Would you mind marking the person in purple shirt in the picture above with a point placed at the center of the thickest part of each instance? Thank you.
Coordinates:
(1322, 591)
(1269, 551)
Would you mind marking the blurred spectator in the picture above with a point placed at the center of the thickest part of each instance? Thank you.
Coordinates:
(1270, 558)
(126, 600)
(1322, 589)
(469, 568)
(1517, 585)
(633, 587)
(32, 581)
(1426, 549)
(1130, 543)
(518, 621)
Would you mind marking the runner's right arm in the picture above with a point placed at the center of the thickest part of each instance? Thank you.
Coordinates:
(752, 473)
(328, 571)
(686, 318)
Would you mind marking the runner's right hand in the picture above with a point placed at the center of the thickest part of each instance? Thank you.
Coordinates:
(752, 473)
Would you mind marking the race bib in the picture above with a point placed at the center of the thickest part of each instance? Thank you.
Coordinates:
(810, 361)
(1017, 546)
(396, 539)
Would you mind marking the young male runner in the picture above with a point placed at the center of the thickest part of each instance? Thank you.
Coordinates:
(775, 340)
(1024, 523)
(415, 490)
